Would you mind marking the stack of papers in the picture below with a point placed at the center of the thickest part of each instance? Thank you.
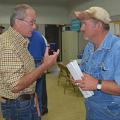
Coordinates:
(77, 74)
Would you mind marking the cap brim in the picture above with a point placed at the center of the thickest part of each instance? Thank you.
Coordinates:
(82, 15)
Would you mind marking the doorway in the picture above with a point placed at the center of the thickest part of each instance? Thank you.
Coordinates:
(53, 34)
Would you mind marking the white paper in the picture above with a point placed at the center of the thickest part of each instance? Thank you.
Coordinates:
(77, 74)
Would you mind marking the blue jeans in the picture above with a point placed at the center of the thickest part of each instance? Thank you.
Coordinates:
(19, 110)
(102, 110)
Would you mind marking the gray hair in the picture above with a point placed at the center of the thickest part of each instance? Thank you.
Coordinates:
(19, 12)
(105, 26)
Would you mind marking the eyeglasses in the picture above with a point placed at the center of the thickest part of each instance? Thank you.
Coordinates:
(31, 23)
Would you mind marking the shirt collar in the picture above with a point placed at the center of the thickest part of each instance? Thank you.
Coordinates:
(18, 36)
(107, 42)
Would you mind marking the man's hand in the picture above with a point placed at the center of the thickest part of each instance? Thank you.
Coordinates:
(50, 60)
(87, 83)
(90, 83)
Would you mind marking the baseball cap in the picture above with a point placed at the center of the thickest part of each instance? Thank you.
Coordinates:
(94, 12)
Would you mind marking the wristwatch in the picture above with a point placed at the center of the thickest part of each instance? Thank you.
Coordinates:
(99, 85)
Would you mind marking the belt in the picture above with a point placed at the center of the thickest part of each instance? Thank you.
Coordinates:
(21, 97)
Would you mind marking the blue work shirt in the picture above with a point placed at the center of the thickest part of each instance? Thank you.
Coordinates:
(103, 64)
(37, 45)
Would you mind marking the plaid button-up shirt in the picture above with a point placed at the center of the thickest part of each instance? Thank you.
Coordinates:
(15, 62)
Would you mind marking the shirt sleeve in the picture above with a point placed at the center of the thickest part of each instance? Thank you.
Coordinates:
(45, 40)
(11, 68)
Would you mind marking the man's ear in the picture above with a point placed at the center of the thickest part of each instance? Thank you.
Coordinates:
(17, 21)
(99, 24)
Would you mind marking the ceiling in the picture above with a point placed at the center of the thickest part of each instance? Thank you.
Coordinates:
(61, 3)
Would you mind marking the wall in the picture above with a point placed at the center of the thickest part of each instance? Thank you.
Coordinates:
(113, 6)
(81, 43)
(58, 15)
(69, 46)
(52, 15)
(46, 14)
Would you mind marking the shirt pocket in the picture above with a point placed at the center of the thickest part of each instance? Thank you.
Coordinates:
(106, 71)
(96, 72)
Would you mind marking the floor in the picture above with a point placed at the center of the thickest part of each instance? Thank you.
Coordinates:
(68, 106)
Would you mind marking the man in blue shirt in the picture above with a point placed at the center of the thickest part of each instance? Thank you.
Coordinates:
(37, 48)
(100, 65)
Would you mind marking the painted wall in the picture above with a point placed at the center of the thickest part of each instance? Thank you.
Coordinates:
(46, 15)
(112, 6)
(58, 15)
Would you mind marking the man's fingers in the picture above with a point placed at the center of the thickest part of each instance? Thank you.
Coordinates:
(57, 53)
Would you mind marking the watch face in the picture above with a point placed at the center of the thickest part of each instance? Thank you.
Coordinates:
(99, 86)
